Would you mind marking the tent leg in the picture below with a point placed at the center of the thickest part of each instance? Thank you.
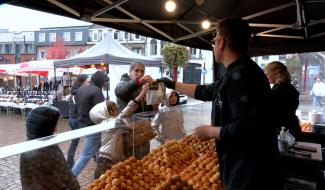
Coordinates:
(56, 93)
(107, 97)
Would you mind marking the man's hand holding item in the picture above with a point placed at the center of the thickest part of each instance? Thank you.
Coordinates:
(168, 82)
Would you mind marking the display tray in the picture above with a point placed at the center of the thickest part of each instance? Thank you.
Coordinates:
(186, 164)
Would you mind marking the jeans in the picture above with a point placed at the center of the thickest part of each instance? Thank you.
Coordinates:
(74, 124)
(91, 147)
(317, 100)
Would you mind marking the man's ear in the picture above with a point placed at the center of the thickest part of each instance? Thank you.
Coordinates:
(223, 43)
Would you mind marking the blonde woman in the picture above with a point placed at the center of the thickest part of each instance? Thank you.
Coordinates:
(286, 96)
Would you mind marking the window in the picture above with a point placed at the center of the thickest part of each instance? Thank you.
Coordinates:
(153, 47)
(265, 58)
(95, 35)
(66, 36)
(41, 54)
(126, 35)
(105, 34)
(7, 61)
(116, 34)
(282, 57)
(162, 45)
(100, 35)
(7, 48)
(78, 36)
(52, 37)
(41, 37)
(137, 36)
(28, 48)
(136, 50)
(193, 51)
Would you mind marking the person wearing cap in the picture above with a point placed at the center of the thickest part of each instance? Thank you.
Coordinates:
(45, 168)
(86, 98)
(73, 117)
(243, 120)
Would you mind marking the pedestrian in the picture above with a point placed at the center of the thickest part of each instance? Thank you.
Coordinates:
(286, 97)
(317, 92)
(242, 118)
(169, 121)
(73, 117)
(86, 98)
(112, 149)
(45, 168)
(127, 90)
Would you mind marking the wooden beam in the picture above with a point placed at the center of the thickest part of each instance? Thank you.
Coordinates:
(96, 19)
(143, 22)
(111, 6)
(64, 7)
(269, 11)
(280, 36)
(195, 34)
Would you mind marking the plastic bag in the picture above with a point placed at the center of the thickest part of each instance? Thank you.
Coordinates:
(112, 145)
(139, 132)
(156, 95)
(285, 139)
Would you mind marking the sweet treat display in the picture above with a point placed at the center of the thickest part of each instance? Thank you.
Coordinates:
(130, 174)
(184, 165)
(204, 173)
(199, 146)
(306, 126)
(170, 158)
(175, 183)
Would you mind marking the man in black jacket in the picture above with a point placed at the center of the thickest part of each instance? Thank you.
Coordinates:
(242, 118)
(86, 98)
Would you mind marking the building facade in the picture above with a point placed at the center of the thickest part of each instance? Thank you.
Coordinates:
(17, 47)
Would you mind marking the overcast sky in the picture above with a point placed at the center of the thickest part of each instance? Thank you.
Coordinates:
(21, 19)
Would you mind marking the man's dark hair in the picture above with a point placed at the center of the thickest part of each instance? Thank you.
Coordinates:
(236, 32)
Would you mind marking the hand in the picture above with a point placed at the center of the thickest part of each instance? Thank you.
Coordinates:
(144, 89)
(146, 79)
(168, 83)
(205, 132)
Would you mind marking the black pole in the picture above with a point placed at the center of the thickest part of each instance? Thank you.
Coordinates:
(108, 83)
(56, 93)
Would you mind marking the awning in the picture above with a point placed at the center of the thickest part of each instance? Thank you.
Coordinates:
(279, 27)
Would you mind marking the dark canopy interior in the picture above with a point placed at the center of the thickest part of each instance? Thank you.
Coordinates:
(279, 27)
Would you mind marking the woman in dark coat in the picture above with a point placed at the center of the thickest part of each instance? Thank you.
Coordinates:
(286, 96)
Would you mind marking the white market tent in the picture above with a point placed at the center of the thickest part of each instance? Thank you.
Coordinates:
(107, 51)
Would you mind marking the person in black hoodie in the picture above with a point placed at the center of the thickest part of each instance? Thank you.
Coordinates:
(73, 117)
(86, 98)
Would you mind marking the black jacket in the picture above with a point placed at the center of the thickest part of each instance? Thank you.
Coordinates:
(72, 103)
(242, 104)
(125, 91)
(287, 101)
(88, 96)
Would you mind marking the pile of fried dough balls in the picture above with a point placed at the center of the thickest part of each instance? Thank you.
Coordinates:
(176, 165)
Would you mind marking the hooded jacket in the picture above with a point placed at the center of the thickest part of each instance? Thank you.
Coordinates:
(45, 168)
(170, 117)
(112, 140)
(72, 102)
(127, 90)
(88, 96)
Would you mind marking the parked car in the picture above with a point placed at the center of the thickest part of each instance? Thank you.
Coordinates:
(182, 99)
